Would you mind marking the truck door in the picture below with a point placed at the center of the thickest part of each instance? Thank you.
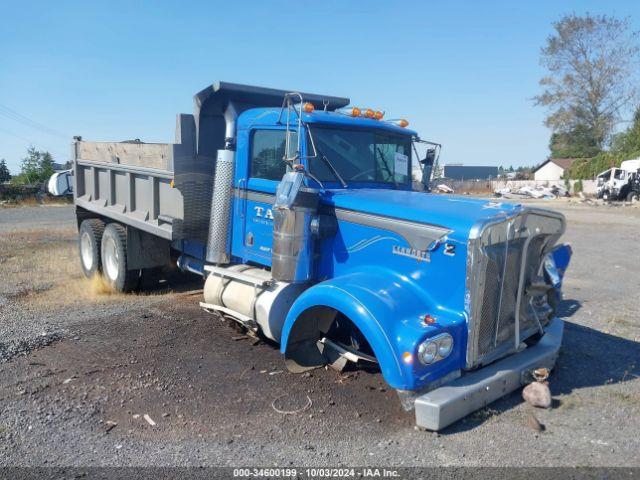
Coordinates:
(256, 193)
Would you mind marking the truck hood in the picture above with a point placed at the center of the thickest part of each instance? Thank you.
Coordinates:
(454, 212)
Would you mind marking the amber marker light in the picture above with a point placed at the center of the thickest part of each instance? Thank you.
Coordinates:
(308, 107)
(369, 113)
(407, 358)
(355, 112)
(403, 123)
(428, 319)
(171, 183)
(378, 115)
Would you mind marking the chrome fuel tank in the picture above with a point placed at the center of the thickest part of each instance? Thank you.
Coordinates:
(293, 250)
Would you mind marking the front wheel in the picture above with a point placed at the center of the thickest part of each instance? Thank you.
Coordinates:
(114, 259)
(606, 196)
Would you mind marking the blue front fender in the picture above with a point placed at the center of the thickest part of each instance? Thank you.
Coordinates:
(387, 309)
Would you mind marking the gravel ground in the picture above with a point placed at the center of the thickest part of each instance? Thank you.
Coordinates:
(79, 369)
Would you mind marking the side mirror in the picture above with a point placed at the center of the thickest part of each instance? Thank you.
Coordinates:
(429, 158)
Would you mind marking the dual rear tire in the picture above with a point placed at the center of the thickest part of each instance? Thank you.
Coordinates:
(89, 240)
(103, 250)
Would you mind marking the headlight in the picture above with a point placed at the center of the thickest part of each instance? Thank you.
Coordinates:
(445, 346)
(552, 271)
(435, 348)
(428, 352)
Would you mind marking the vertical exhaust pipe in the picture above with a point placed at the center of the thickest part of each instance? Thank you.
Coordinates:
(218, 241)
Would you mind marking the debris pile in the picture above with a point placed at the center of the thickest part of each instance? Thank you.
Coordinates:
(527, 191)
(442, 188)
(537, 394)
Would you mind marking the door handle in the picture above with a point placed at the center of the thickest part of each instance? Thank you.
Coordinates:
(242, 197)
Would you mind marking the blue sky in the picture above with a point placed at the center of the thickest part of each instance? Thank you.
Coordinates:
(462, 72)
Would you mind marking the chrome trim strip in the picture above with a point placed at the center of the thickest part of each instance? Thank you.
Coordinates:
(254, 196)
(523, 263)
(504, 274)
(418, 235)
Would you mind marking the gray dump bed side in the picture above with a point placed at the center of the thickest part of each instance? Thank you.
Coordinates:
(130, 183)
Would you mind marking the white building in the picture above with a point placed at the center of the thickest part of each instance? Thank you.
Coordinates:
(553, 169)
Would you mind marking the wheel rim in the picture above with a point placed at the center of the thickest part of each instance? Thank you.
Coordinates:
(86, 251)
(110, 259)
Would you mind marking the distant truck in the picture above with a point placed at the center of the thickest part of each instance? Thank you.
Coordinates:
(299, 214)
(61, 183)
(621, 183)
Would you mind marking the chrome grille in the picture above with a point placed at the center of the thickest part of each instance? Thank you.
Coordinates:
(500, 294)
(495, 261)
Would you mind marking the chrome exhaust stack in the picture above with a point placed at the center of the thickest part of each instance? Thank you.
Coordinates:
(218, 242)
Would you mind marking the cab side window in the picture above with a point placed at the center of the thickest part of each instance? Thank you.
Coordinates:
(267, 152)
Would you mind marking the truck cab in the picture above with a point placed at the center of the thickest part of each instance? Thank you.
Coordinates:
(299, 213)
(619, 183)
(339, 152)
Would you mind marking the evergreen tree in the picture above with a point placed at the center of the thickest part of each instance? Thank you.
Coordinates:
(35, 168)
(5, 175)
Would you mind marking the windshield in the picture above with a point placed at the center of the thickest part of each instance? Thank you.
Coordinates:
(360, 156)
(604, 176)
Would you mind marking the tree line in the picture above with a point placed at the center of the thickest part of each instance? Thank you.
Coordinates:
(35, 168)
(590, 91)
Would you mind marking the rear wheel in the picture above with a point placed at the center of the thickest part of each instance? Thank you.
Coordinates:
(114, 259)
(633, 197)
(89, 240)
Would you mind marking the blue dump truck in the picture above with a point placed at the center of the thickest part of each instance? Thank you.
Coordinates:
(299, 213)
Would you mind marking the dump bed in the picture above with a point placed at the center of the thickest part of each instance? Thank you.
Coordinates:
(131, 183)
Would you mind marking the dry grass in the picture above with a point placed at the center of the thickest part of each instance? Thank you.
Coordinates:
(98, 287)
(622, 321)
(569, 402)
(484, 414)
(35, 202)
(630, 398)
(41, 270)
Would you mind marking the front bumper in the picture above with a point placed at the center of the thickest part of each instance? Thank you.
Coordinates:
(441, 407)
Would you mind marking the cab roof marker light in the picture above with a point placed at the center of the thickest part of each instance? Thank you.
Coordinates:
(308, 107)
(378, 115)
(401, 122)
(350, 112)
(368, 113)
